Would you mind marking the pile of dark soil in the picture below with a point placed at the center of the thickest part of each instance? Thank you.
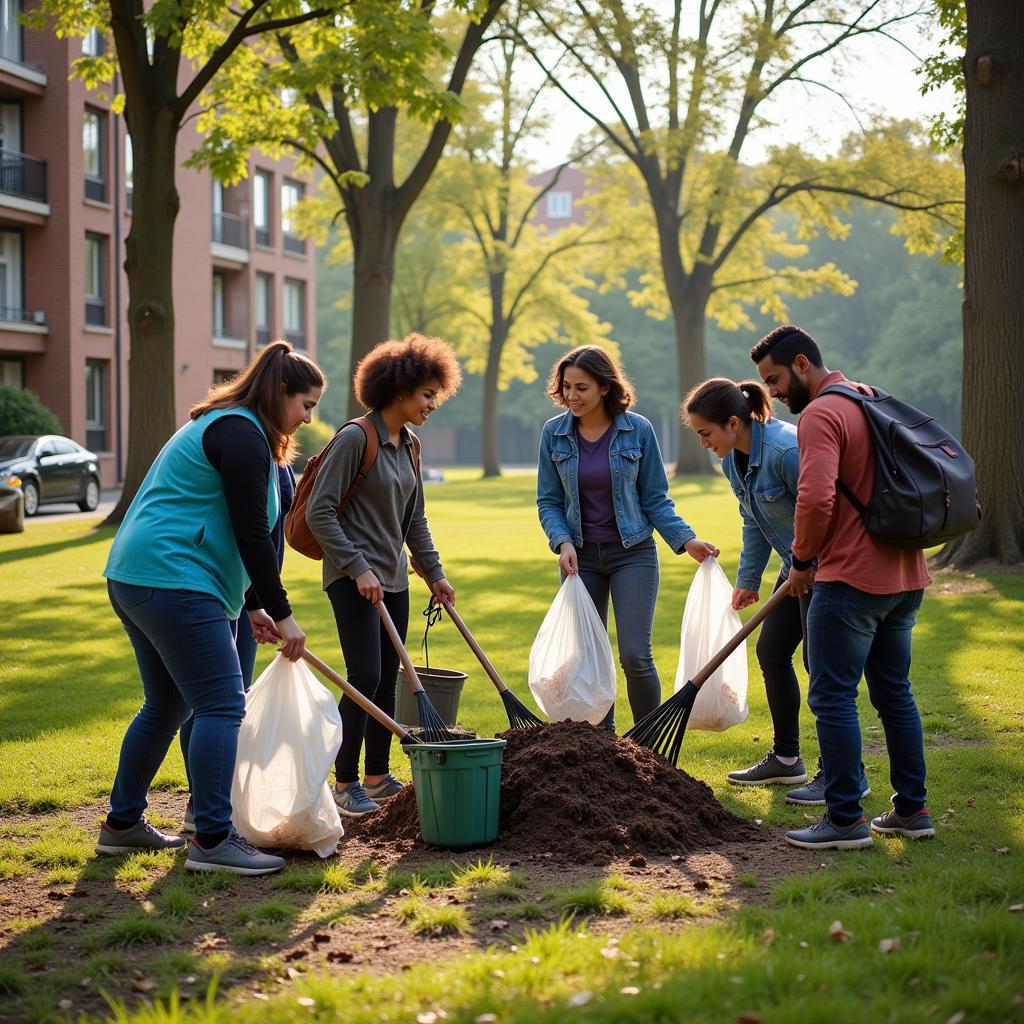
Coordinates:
(585, 795)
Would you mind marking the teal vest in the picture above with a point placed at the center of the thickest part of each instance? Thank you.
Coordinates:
(177, 533)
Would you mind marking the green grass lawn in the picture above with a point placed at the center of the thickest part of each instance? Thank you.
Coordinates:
(68, 687)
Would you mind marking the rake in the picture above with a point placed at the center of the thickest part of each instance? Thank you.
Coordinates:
(432, 724)
(664, 728)
(403, 734)
(519, 715)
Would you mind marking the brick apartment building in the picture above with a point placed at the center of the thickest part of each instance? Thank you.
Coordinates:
(241, 277)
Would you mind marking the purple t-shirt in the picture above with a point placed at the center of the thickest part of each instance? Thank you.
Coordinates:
(595, 484)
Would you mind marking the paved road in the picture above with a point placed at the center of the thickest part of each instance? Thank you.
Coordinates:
(70, 511)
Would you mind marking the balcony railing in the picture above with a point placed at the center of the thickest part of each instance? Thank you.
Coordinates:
(22, 176)
(262, 235)
(293, 244)
(95, 312)
(15, 315)
(230, 229)
(95, 189)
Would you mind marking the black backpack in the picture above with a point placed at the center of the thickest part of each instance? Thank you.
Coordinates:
(925, 492)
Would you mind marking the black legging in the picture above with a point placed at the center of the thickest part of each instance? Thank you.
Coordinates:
(781, 634)
(371, 664)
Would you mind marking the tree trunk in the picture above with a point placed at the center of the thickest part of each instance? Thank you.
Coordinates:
(373, 276)
(489, 412)
(993, 306)
(149, 259)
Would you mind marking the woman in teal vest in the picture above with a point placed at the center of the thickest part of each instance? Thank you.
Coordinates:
(194, 548)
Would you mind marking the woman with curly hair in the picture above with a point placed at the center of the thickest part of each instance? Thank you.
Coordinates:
(400, 383)
(602, 491)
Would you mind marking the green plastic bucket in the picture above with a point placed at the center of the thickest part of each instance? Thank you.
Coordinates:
(444, 688)
(458, 788)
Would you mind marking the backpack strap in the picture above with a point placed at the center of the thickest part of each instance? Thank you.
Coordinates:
(860, 398)
(366, 464)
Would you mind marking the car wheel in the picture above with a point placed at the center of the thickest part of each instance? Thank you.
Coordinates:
(30, 492)
(92, 495)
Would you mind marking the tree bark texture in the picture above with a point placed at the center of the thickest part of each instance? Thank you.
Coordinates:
(489, 412)
(993, 307)
(149, 259)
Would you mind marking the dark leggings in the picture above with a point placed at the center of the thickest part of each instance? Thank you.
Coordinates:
(371, 666)
(781, 634)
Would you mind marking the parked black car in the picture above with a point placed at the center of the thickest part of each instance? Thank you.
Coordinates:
(49, 469)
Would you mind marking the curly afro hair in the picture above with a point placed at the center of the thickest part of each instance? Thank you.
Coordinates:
(395, 368)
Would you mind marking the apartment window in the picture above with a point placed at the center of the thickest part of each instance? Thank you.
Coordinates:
(263, 290)
(92, 43)
(291, 195)
(218, 305)
(559, 205)
(11, 277)
(129, 170)
(12, 373)
(10, 30)
(96, 405)
(93, 134)
(95, 280)
(295, 312)
(261, 207)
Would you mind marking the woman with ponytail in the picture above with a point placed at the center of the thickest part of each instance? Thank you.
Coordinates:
(761, 461)
(194, 548)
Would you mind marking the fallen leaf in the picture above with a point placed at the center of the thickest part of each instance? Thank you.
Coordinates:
(261, 996)
(1002, 849)
(189, 979)
(144, 984)
(970, 801)
(629, 990)
(1018, 999)
(86, 982)
(485, 1018)
(295, 954)
(750, 1018)
(768, 936)
(427, 1017)
(65, 1004)
(321, 937)
(889, 945)
(811, 817)
(914, 983)
(305, 1001)
(837, 933)
(579, 999)
(610, 953)
(958, 1018)
(755, 739)
(1016, 908)
(804, 944)
(340, 956)
(497, 925)
(293, 973)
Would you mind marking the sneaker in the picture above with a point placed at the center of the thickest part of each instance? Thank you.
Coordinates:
(814, 791)
(141, 836)
(827, 835)
(770, 771)
(189, 822)
(918, 826)
(388, 787)
(353, 802)
(234, 854)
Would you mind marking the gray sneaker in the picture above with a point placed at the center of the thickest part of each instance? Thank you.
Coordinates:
(388, 787)
(770, 771)
(234, 854)
(141, 836)
(917, 826)
(814, 792)
(827, 835)
(353, 802)
(189, 822)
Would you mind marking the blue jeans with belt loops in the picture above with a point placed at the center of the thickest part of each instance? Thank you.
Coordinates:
(186, 654)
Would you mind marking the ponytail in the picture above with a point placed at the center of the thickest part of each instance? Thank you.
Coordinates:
(259, 388)
(719, 399)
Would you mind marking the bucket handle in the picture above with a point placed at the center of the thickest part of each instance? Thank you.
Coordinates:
(433, 615)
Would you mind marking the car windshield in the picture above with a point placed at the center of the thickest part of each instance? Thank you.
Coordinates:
(14, 447)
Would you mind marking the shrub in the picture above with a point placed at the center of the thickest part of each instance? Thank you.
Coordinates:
(21, 412)
(310, 439)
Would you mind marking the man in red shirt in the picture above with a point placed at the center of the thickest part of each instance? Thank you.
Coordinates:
(864, 601)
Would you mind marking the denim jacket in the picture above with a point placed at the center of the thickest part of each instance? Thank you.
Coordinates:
(767, 497)
(639, 484)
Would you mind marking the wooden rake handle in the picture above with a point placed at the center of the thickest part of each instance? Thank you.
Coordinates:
(491, 671)
(410, 673)
(748, 627)
(364, 702)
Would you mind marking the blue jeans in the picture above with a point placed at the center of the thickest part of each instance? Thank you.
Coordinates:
(851, 633)
(630, 576)
(246, 647)
(186, 655)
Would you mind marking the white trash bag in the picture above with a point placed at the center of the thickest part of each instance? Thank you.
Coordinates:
(572, 671)
(288, 741)
(709, 622)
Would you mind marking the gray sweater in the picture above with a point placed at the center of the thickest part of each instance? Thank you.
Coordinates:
(369, 534)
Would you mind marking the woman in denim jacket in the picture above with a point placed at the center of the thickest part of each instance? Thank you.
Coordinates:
(761, 461)
(601, 493)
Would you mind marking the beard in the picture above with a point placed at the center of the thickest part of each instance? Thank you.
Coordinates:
(798, 397)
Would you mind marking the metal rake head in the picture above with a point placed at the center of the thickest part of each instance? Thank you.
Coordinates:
(432, 724)
(519, 715)
(664, 728)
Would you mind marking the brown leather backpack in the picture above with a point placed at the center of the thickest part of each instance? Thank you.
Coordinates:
(296, 529)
